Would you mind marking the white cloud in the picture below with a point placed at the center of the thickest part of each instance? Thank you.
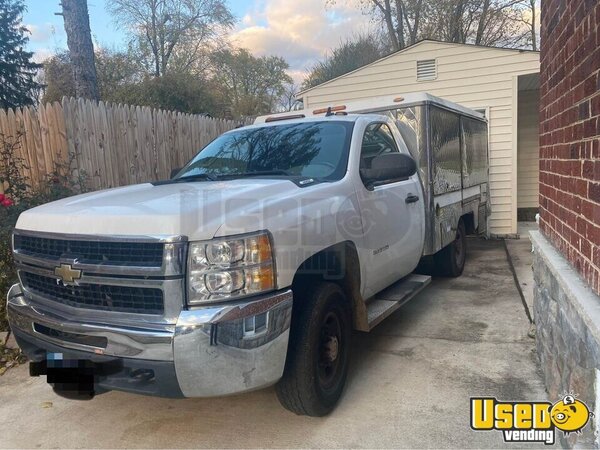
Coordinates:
(297, 75)
(42, 54)
(41, 34)
(248, 20)
(301, 31)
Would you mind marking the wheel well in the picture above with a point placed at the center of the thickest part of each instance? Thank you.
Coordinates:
(469, 221)
(336, 264)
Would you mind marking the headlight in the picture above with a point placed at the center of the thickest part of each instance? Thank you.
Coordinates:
(230, 268)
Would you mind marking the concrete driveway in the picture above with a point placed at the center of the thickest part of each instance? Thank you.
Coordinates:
(409, 385)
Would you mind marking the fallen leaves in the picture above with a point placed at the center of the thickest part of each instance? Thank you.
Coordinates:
(10, 357)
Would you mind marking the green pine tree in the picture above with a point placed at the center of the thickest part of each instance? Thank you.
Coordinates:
(18, 86)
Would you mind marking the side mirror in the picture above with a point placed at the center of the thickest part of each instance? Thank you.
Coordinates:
(175, 172)
(387, 168)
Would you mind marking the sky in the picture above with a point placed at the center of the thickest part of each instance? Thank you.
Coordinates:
(301, 31)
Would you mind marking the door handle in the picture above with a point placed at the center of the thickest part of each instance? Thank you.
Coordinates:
(412, 198)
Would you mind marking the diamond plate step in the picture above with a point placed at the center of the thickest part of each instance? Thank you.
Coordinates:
(389, 300)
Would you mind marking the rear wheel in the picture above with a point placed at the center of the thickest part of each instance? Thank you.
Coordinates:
(317, 362)
(450, 261)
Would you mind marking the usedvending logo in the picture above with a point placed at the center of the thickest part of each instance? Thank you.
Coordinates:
(529, 421)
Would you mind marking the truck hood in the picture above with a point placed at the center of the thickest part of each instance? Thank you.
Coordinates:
(196, 210)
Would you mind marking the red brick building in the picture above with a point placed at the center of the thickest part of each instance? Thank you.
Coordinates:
(567, 248)
(570, 132)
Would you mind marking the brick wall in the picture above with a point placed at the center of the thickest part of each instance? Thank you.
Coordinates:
(570, 132)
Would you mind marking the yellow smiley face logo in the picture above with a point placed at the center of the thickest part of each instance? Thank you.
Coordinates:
(569, 415)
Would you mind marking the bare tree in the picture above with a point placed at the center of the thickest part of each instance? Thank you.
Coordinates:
(456, 16)
(500, 22)
(532, 4)
(481, 22)
(412, 13)
(81, 48)
(161, 27)
(288, 101)
(392, 15)
(483, 17)
(385, 8)
(530, 19)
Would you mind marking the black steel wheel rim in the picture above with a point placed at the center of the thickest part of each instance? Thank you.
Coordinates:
(459, 248)
(329, 355)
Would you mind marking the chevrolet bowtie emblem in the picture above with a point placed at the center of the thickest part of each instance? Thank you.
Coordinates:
(67, 274)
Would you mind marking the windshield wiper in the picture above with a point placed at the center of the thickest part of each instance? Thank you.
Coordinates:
(257, 174)
(198, 176)
(211, 177)
(189, 178)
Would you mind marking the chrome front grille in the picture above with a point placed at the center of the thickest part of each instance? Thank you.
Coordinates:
(112, 274)
(127, 299)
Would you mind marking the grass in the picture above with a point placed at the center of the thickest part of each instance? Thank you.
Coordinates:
(10, 357)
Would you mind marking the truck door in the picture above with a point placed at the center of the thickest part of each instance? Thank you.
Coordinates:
(393, 216)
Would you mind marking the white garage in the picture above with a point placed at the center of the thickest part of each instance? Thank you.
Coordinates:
(501, 83)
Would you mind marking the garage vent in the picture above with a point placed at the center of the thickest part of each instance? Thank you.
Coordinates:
(426, 70)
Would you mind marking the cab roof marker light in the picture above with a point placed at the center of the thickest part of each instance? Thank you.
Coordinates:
(398, 99)
(277, 119)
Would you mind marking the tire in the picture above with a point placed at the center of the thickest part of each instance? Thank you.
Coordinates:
(450, 261)
(318, 353)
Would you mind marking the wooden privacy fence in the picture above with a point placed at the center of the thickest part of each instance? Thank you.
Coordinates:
(115, 145)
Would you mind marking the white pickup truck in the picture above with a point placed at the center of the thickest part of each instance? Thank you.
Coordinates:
(254, 263)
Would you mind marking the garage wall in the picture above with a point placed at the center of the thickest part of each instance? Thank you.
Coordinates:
(476, 77)
(528, 150)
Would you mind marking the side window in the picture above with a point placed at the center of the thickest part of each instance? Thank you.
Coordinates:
(378, 140)
(445, 146)
(475, 151)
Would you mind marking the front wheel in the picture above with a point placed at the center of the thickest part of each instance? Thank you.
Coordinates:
(450, 261)
(317, 362)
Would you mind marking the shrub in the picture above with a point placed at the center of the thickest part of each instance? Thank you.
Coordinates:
(19, 196)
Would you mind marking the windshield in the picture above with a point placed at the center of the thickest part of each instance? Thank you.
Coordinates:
(316, 150)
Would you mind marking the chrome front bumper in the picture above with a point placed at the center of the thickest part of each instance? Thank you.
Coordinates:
(211, 352)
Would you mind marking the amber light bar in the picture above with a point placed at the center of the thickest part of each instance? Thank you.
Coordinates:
(329, 109)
